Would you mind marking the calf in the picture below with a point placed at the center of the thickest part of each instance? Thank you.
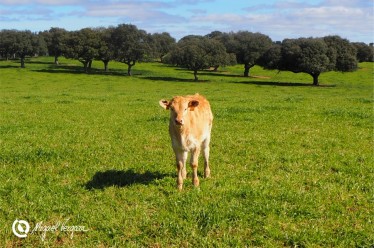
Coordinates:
(189, 127)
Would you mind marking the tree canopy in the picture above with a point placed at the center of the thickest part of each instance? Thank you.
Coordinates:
(365, 53)
(55, 39)
(248, 47)
(161, 44)
(129, 44)
(84, 46)
(311, 55)
(197, 53)
(21, 44)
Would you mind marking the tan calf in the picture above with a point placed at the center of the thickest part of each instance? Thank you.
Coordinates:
(189, 127)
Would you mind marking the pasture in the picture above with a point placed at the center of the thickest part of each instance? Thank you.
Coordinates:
(291, 164)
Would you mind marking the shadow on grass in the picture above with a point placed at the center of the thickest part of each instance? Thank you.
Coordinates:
(79, 70)
(285, 84)
(174, 79)
(119, 178)
(9, 66)
(39, 62)
(70, 69)
(17, 63)
(221, 74)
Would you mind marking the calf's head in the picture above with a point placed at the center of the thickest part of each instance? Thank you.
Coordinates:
(179, 107)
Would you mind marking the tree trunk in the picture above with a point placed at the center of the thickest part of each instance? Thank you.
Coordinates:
(56, 60)
(89, 64)
(195, 75)
(216, 68)
(315, 79)
(106, 62)
(22, 61)
(85, 65)
(130, 65)
(246, 70)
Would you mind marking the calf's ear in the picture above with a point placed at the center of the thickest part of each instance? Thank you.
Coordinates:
(193, 104)
(164, 104)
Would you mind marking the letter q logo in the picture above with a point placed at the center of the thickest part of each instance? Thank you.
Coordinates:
(21, 228)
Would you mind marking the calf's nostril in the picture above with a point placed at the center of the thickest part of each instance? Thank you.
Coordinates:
(178, 122)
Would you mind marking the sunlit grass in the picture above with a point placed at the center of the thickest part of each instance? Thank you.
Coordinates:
(291, 163)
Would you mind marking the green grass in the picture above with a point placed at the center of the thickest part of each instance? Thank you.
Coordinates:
(292, 164)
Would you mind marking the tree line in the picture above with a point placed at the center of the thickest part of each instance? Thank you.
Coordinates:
(124, 43)
(128, 44)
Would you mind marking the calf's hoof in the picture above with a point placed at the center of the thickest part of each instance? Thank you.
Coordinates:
(184, 174)
(180, 187)
(196, 182)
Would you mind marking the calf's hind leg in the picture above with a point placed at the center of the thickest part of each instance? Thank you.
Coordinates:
(206, 150)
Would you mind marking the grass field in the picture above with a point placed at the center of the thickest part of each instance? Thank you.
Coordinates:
(292, 164)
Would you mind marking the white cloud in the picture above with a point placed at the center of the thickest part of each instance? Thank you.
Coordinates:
(118, 9)
(329, 12)
(192, 2)
(36, 2)
(348, 3)
(143, 12)
(219, 18)
(290, 19)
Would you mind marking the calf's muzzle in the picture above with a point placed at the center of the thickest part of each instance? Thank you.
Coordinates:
(179, 122)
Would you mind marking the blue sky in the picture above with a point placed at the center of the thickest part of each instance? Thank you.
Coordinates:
(351, 19)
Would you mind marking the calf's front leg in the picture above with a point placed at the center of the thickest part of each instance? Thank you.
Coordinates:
(194, 164)
(181, 158)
